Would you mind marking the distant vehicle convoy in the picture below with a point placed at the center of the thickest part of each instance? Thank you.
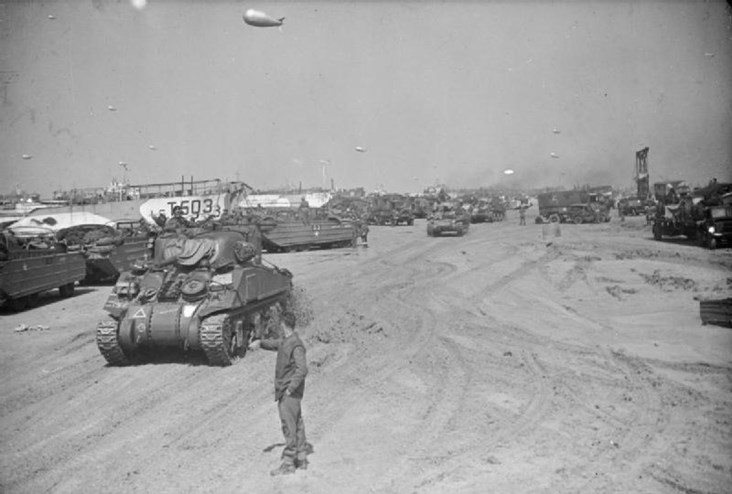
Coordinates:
(35, 261)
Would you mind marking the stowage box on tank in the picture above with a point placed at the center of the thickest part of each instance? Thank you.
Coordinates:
(206, 293)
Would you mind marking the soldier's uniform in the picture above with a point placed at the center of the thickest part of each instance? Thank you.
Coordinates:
(177, 222)
(290, 371)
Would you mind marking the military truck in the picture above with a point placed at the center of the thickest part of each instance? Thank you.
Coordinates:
(631, 206)
(561, 206)
(691, 213)
(31, 265)
(554, 206)
(391, 209)
(716, 226)
(586, 213)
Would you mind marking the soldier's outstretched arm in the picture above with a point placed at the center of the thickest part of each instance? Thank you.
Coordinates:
(269, 344)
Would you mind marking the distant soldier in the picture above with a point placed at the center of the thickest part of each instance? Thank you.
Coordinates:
(303, 211)
(177, 222)
(522, 215)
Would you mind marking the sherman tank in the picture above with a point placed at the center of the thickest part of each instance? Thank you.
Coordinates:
(206, 293)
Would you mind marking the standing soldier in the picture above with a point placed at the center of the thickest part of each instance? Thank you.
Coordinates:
(304, 211)
(522, 215)
(177, 222)
(290, 371)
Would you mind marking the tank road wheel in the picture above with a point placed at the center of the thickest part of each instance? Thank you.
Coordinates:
(223, 340)
(108, 343)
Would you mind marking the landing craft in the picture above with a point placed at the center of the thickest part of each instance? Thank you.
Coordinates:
(260, 19)
(360, 149)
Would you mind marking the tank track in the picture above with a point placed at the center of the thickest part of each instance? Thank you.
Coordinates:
(212, 340)
(108, 343)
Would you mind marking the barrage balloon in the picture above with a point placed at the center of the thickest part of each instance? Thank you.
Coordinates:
(260, 19)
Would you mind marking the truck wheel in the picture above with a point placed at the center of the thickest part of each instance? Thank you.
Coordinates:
(554, 218)
(657, 232)
(66, 290)
(18, 304)
(577, 220)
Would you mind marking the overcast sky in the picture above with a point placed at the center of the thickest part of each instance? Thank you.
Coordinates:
(434, 92)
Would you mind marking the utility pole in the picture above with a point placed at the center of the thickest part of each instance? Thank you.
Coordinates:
(641, 173)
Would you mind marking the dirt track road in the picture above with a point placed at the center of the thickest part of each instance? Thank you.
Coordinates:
(503, 361)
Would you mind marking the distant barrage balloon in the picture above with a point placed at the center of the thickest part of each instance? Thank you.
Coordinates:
(556, 131)
(26, 156)
(508, 172)
(111, 108)
(260, 19)
(554, 155)
(151, 147)
(360, 149)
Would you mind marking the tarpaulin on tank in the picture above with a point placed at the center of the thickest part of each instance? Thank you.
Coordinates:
(195, 250)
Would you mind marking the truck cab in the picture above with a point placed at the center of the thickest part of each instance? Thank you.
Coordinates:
(716, 229)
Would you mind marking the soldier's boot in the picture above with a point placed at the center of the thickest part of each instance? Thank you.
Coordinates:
(284, 469)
